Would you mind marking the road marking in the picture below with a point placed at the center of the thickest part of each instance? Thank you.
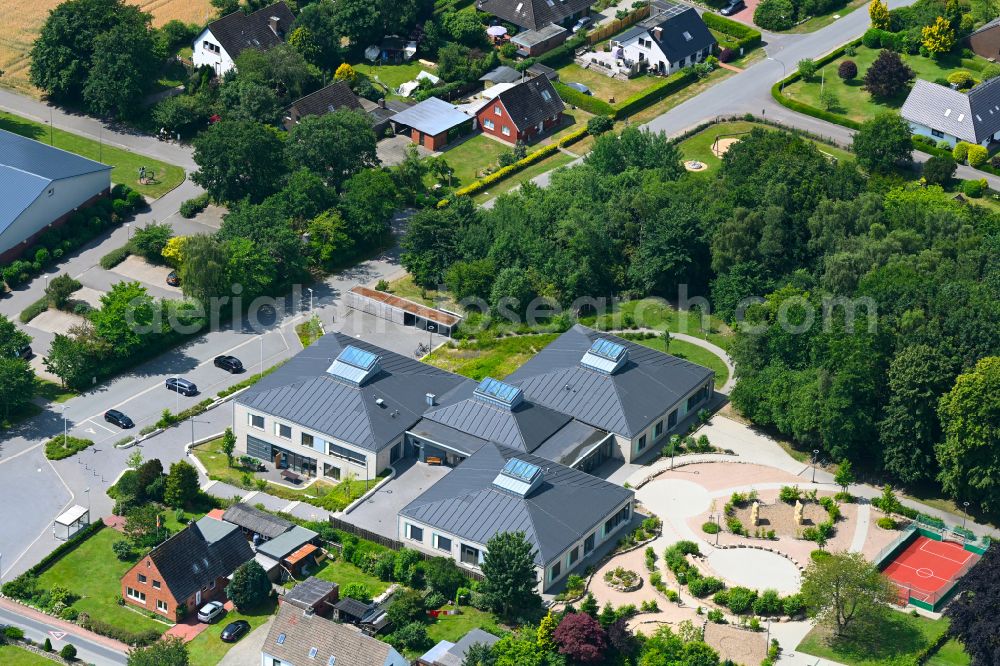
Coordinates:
(102, 427)
(58, 635)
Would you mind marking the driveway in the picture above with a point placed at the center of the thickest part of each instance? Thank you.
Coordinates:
(247, 651)
(378, 513)
(392, 151)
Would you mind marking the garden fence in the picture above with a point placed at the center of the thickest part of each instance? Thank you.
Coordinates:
(606, 31)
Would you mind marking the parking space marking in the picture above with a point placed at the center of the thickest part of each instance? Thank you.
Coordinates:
(99, 425)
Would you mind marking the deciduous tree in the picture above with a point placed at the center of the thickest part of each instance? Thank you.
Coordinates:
(182, 485)
(510, 579)
(337, 145)
(939, 37)
(581, 638)
(878, 12)
(169, 651)
(249, 587)
(883, 142)
(847, 592)
(239, 159)
(975, 612)
(888, 76)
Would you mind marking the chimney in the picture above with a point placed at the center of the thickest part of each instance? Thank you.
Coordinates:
(657, 33)
(381, 102)
(430, 399)
(273, 22)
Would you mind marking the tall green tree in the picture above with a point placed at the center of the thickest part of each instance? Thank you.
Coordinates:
(367, 203)
(509, 588)
(336, 145)
(975, 611)
(12, 339)
(203, 272)
(970, 418)
(17, 384)
(169, 651)
(848, 593)
(883, 143)
(239, 159)
(245, 99)
(182, 485)
(283, 69)
(888, 76)
(122, 67)
(126, 318)
(634, 147)
(249, 587)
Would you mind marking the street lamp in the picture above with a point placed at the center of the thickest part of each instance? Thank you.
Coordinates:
(783, 73)
(86, 491)
(193, 421)
(815, 458)
(310, 298)
(966, 516)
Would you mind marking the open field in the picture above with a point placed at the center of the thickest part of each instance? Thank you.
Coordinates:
(393, 75)
(126, 164)
(901, 635)
(15, 656)
(23, 21)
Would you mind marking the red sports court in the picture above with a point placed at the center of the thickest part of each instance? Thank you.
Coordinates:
(928, 569)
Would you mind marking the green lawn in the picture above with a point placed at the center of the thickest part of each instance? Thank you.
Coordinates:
(309, 331)
(657, 314)
(604, 87)
(207, 649)
(693, 353)
(53, 392)
(699, 146)
(92, 571)
(901, 635)
(493, 357)
(405, 287)
(393, 75)
(855, 103)
(453, 627)
(951, 654)
(816, 22)
(550, 163)
(126, 164)
(344, 573)
(15, 656)
(471, 156)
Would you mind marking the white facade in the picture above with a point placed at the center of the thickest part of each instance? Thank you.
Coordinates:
(642, 48)
(936, 135)
(656, 433)
(57, 199)
(469, 554)
(208, 51)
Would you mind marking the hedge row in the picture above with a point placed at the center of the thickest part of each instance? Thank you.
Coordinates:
(588, 103)
(746, 37)
(35, 309)
(563, 54)
(778, 95)
(655, 93)
(573, 137)
(504, 172)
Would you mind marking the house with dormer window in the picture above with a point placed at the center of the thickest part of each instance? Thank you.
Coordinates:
(672, 37)
(944, 114)
(223, 40)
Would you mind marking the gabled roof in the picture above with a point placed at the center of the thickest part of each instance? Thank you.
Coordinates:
(431, 116)
(566, 505)
(253, 519)
(502, 74)
(971, 116)
(198, 555)
(681, 31)
(987, 26)
(237, 32)
(302, 392)
(299, 638)
(337, 95)
(530, 102)
(446, 653)
(28, 167)
(533, 14)
(624, 402)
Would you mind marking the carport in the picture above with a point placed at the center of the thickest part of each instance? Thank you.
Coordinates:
(402, 311)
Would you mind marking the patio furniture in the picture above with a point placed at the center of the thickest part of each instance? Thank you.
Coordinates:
(289, 475)
(433, 460)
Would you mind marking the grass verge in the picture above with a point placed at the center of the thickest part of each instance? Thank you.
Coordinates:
(344, 573)
(11, 655)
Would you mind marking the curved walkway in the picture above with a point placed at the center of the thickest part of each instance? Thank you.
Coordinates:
(698, 342)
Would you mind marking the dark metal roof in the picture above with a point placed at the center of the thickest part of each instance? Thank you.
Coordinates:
(352, 607)
(256, 521)
(447, 436)
(530, 38)
(279, 547)
(971, 116)
(238, 31)
(682, 32)
(567, 504)
(533, 14)
(571, 442)
(502, 74)
(299, 638)
(302, 392)
(530, 102)
(625, 402)
(310, 593)
(198, 555)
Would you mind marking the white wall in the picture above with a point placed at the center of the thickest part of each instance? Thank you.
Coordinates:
(923, 130)
(59, 198)
(217, 60)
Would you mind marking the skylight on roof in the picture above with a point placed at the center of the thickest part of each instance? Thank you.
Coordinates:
(546, 95)
(687, 36)
(354, 365)
(519, 7)
(605, 356)
(947, 112)
(961, 117)
(280, 640)
(498, 393)
(313, 652)
(331, 661)
(519, 477)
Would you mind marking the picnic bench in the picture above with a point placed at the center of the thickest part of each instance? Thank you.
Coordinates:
(289, 475)
(433, 460)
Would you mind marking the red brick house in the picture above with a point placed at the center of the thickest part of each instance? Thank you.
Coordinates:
(522, 112)
(188, 569)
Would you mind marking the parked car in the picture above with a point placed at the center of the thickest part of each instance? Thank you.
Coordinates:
(182, 386)
(579, 87)
(229, 364)
(234, 631)
(210, 611)
(733, 7)
(119, 419)
(23, 352)
(582, 23)
(173, 279)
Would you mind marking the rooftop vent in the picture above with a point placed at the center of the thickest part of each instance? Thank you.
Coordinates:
(498, 393)
(380, 402)
(354, 366)
(430, 399)
(961, 117)
(605, 356)
(519, 477)
(947, 112)
(687, 36)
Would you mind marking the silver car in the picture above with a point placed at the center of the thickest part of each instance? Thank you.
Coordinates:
(210, 611)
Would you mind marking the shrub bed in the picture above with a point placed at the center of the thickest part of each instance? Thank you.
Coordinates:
(192, 207)
(61, 446)
(115, 257)
(35, 309)
(623, 580)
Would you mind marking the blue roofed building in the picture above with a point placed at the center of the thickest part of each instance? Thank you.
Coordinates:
(40, 187)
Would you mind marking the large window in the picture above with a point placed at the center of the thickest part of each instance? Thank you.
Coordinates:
(588, 543)
(611, 523)
(414, 532)
(283, 431)
(135, 595)
(442, 543)
(258, 448)
(470, 555)
(672, 419)
(658, 429)
(697, 397)
(347, 454)
(257, 421)
(307, 440)
(938, 133)
(574, 555)
(555, 571)
(642, 443)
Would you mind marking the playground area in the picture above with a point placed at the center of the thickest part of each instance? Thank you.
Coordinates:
(925, 569)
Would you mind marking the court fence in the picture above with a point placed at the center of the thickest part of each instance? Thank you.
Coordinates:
(932, 600)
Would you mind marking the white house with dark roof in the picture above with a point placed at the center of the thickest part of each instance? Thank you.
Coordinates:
(223, 40)
(535, 14)
(944, 114)
(566, 514)
(672, 37)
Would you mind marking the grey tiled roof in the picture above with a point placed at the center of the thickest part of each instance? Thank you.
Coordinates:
(971, 116)
(533, 14)
(337, 95)
(566, 506)
(455, 655)
(300, 633)
(502, 74)
(526, 103)
(302, 392)
(238, 31)
(198, 555)
(987, 26)
(625, 402)
(253, 519)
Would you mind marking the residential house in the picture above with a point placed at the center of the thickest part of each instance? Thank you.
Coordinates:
(535, 14)
(945, 114)
(300, 638)
(565, 514)
(446, 653)
(432, 123)
(532, 43)
(985, 41)
(338, 95)
(40, 187)
(223, 40)
(522, 112)
(671, 38)
(188, 569)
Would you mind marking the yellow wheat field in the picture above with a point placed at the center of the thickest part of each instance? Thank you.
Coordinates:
(22, 20)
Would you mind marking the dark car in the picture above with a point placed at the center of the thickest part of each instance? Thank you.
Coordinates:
(182, 386)
(24, 352)
(229, 364)
(235, 630)
(733, 7)
(173, 279)
(118, 418)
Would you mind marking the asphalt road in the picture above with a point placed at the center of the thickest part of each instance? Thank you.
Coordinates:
(88, 650)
